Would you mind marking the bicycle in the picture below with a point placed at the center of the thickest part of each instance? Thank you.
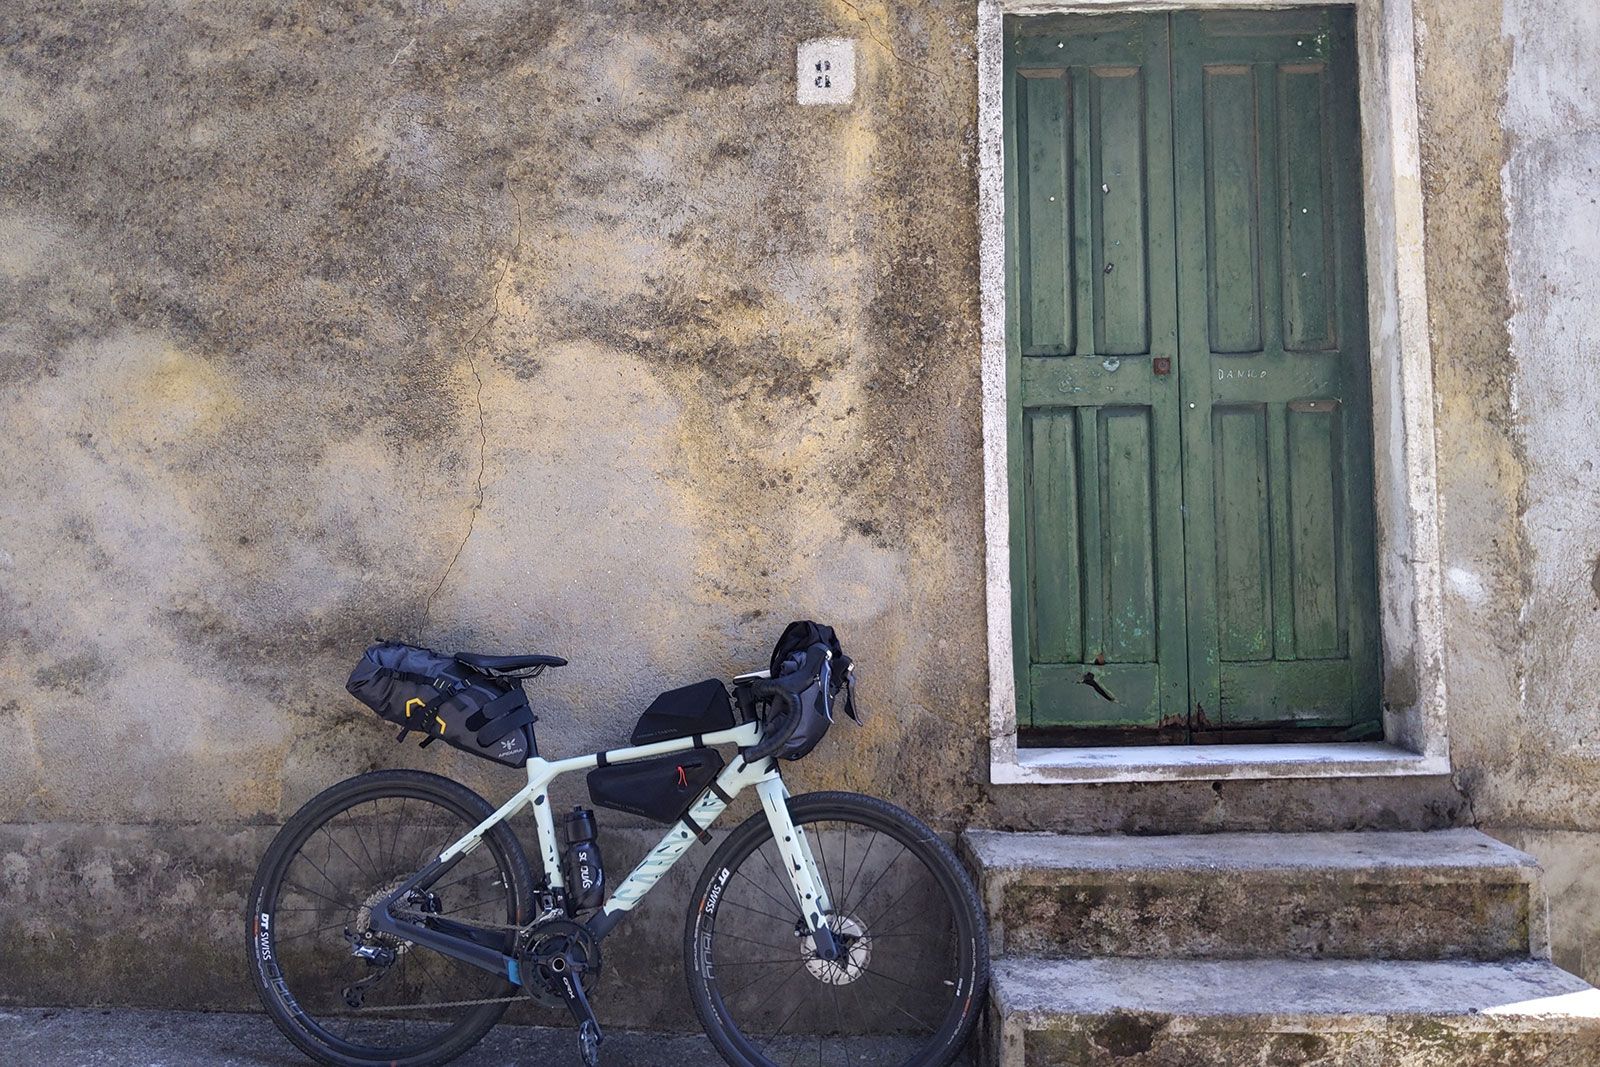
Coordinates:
(395, 917)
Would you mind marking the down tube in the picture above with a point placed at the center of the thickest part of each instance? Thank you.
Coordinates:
(658, 862)
(671, 849)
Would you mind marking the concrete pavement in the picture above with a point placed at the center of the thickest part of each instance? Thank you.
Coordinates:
(94, 1037)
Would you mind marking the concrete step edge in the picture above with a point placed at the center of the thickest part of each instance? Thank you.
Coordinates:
(1419, 856)
(1293, 995)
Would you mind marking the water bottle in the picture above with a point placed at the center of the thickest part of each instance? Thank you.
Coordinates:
(586, 877)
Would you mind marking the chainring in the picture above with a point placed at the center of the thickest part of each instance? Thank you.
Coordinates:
(549, 942)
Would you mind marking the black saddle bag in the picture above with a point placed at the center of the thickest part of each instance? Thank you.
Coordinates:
(662, 788)
(437, 695)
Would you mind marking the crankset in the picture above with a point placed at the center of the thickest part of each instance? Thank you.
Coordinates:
(560, 963)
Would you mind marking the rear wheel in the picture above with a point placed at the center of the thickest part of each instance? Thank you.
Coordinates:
(347, 848)
(914, 968)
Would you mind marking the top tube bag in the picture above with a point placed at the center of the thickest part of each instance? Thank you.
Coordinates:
(437, 695)
(701, 708)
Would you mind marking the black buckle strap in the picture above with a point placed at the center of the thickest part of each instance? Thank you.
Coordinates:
(699, 831)
(505, 724)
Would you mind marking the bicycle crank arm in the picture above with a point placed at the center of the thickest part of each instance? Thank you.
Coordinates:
(589, 1035)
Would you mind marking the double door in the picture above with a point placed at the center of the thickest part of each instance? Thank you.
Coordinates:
(1189, 412)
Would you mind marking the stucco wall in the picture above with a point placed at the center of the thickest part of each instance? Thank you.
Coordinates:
(505, 326)
(1511, 128)
(564, 328)
(1546, 781)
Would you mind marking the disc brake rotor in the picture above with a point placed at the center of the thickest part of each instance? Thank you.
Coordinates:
(363, 931)
(856, 951)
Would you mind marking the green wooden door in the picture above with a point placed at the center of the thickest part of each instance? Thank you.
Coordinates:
(1189, 412)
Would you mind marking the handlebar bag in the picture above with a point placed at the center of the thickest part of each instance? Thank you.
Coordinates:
(810, 672)
(431, 692)
(662, 788)
(788, 657)
(797, 705)
(701, 708)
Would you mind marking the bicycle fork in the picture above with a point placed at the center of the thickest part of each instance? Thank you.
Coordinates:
(800, 863)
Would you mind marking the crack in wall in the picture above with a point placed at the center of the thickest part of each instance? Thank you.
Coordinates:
(872, 35)
(477, 336)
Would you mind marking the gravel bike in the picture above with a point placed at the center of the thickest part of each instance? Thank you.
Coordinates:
(395, 916)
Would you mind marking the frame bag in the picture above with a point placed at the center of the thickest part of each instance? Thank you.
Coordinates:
(662, 788)
(437, 695)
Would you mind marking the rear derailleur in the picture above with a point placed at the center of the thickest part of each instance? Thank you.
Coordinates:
(379, 951)
(560, 962)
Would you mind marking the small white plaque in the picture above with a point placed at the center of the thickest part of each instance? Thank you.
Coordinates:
(825, 71)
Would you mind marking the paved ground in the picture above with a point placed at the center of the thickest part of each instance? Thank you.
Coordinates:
(81, 1037)
(93, 1037)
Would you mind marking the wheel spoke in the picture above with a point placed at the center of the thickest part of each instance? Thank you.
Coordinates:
(845, 901)
(758, 911)
(792, 1010)
(281, 938)
(362, 841)
(336, 903)
(775, 900)
(868, 891)
(776, 877)
(324, 831)
(753, 941)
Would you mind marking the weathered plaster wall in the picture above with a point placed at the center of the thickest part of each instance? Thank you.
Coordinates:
(485, 325)
(481, 324)
(1551, 186)
(1510, 99)
(1510, 127)
(565, 328)
(1544, 785)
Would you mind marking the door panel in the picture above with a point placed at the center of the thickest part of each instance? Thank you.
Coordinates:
(1097, 528)
(1273, 367)
(1244, 531)
(1191, 550)
(1233, 260)
(1117, 169)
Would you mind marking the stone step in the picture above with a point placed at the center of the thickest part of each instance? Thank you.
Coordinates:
(1308, 1013)
(1445, 894)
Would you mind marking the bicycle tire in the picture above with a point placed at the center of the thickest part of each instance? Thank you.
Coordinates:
(281, 1004)
(970, 934)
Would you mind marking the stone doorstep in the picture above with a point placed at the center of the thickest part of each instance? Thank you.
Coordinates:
(1398, 895)
(1338, 1012)
(1416, 855)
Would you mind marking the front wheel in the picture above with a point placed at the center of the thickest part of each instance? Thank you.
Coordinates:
(914, 968)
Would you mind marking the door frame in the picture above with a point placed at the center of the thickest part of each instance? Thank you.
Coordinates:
(1411, 620)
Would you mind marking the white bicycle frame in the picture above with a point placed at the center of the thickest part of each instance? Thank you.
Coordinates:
(809, 889)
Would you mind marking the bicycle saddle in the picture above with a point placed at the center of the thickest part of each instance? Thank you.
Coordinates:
(523, 666)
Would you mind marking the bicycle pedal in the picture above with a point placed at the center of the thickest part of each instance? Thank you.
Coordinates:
(589, 1038)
